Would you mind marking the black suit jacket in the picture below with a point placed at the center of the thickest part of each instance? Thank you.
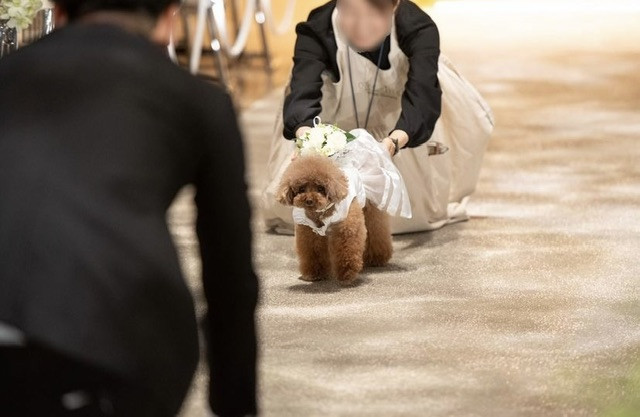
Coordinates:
(98, 132)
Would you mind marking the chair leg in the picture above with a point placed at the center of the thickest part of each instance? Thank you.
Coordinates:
(260, 19)
(234, 15)
(171, 47)
(218, 55)
(186, 31)
(198, 38)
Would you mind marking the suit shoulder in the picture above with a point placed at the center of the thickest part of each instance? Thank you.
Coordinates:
(193, 86)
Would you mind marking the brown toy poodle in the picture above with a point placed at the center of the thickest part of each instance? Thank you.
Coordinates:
(315, 184)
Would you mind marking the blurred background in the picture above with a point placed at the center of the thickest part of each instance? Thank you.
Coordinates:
(532, 308)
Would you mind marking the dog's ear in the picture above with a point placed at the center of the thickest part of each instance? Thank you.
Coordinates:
(337, 188)
(285, 194)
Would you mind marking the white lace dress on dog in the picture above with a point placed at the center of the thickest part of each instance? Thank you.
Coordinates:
(341, 208)
(383, 183)
(371, 175)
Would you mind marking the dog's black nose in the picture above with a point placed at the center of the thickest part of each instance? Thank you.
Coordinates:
(309, 203)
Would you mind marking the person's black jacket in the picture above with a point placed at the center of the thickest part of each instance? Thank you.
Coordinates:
(98, 132)
(315, 52)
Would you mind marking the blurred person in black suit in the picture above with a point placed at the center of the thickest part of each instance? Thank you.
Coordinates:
(98, 132)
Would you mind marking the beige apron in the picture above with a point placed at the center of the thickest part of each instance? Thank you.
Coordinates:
(439, 185)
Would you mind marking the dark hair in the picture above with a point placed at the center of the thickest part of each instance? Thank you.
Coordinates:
(384, 4)
(77, 8)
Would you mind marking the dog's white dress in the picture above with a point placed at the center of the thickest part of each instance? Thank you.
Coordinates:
(371, 175)
(341, 208)
(439, 185)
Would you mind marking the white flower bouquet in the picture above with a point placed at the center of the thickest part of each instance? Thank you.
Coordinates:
(19, 14)
(323, 139)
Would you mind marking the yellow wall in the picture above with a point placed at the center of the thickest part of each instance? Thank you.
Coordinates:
(425, 3)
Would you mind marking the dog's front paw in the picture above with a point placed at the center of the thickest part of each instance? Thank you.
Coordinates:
(347, 277)
(347, 281)
(378, 259)
(347, 268)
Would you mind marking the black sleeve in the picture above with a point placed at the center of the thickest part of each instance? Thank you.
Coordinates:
(230, 284)
(421, 101)
(302, 102)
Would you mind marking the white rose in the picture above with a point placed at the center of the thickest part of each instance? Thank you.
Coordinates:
(19, 13)
(315, 138)
(326, 129)
(337, 141)
(327, 151)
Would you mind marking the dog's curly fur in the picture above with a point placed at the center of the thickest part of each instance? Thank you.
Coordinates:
(363, 238)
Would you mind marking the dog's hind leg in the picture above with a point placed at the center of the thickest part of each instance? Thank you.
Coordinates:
(379, 247)
(346, 246)
(313, 254)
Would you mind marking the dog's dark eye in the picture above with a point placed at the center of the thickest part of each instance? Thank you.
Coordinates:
(321, 189)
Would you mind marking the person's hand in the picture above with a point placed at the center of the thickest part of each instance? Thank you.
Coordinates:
(399, 135)
(389, 146)
(302, 130)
